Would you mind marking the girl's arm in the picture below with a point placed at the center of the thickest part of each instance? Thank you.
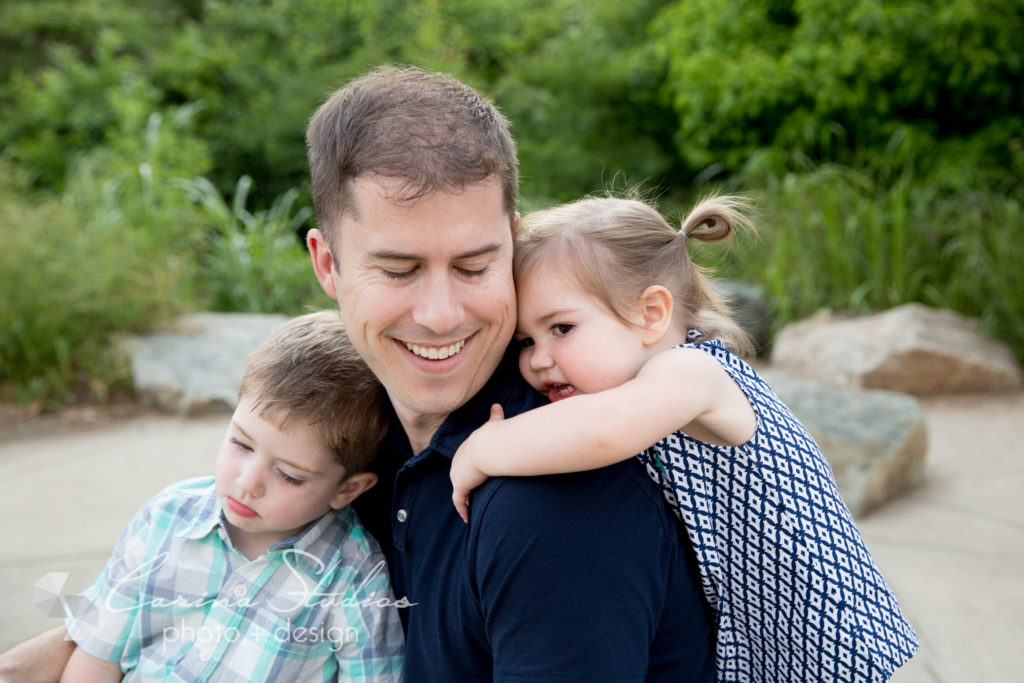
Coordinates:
(677, 389)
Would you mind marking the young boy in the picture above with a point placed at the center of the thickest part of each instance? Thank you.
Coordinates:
(261, 572)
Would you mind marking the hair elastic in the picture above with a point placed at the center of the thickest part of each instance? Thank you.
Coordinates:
(682, 231)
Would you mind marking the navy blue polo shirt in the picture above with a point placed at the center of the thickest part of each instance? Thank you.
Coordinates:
(573, 577)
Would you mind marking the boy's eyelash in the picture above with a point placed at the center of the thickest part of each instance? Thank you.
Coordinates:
(289, 480)
(244, 446)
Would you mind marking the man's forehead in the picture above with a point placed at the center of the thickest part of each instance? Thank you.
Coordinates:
(377, 205)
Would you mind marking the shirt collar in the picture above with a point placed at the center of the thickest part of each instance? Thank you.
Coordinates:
(335, 524)
(505, 387)
(207, 516)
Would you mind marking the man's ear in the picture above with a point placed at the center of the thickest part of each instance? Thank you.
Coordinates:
(656, 304)
(323, 260)
(352, 487)
(515, 226)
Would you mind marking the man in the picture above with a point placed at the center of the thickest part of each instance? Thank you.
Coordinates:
(579, 577)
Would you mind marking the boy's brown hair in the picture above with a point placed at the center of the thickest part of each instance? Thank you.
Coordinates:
(308, 373)
(427, 129)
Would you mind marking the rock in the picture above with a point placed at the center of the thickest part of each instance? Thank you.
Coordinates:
(196, 368)
(749, 309)
(913, 349)
(875, 441)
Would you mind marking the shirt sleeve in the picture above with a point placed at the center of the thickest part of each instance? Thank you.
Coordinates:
(103, 618)
(367, 635)
(575, 573)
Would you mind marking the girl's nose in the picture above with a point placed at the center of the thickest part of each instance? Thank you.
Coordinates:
(540, 359)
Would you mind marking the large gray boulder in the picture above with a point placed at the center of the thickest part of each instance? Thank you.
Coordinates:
(875, 441)
(196, 367)
(912, 349)
(749, 309)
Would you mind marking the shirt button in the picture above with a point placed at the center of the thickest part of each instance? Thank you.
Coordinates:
(240, 591)
(205, 656)
(402, 515)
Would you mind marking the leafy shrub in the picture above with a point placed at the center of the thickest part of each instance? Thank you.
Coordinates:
(253, 261)
(834, 79)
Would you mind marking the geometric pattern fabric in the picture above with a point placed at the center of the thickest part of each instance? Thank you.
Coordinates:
(797, 596)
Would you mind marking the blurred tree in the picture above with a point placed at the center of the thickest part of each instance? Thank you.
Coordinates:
(832, 79)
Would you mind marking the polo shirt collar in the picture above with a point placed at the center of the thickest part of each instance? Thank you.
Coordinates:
(505, 387)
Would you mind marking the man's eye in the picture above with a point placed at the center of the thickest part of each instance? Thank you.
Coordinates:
(562, 329)
(398, 274)
(470, 272)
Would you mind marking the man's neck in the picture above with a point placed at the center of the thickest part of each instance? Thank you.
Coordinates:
(419, 428)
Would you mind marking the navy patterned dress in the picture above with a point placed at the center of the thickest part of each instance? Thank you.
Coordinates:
(796, 594)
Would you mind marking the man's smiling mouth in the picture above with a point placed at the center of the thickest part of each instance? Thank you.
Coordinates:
(436, 352)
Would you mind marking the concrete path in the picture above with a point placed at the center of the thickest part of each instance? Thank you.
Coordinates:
(953, 549)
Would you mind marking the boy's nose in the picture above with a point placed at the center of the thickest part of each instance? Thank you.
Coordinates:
(250, 480)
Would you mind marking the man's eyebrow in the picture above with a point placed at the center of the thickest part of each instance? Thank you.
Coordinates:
(394, 255)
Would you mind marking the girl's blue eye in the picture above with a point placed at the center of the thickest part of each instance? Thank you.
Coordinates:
(526, 342)
(289, 480)
(562, 329)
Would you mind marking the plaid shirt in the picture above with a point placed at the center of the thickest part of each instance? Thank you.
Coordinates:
(177, 602)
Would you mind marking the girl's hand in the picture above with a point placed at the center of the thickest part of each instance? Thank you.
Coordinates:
(464, 474)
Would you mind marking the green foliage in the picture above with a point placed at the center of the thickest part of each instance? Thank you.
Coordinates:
(834, 79)
(852, 240)
(253, 261)
(883, 140)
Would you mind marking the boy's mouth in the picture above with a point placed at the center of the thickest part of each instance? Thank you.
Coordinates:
(240, 509)
(556, 392)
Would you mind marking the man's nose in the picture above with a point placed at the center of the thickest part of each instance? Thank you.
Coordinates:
(438, 306)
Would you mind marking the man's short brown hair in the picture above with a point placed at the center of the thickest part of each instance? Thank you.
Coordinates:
(308, 373)
(429, 130)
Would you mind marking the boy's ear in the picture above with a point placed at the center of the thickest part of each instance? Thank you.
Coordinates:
(656, 304)
(352, 487)
(323, 261)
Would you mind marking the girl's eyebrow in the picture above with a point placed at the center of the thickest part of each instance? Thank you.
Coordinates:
(394, 255)
(556, 314)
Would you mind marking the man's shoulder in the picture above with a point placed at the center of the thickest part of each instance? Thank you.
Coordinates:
(620, 495)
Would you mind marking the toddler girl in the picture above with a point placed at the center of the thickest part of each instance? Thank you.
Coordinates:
(614, 314)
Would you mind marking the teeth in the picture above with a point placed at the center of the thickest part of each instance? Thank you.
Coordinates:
(434, 352)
